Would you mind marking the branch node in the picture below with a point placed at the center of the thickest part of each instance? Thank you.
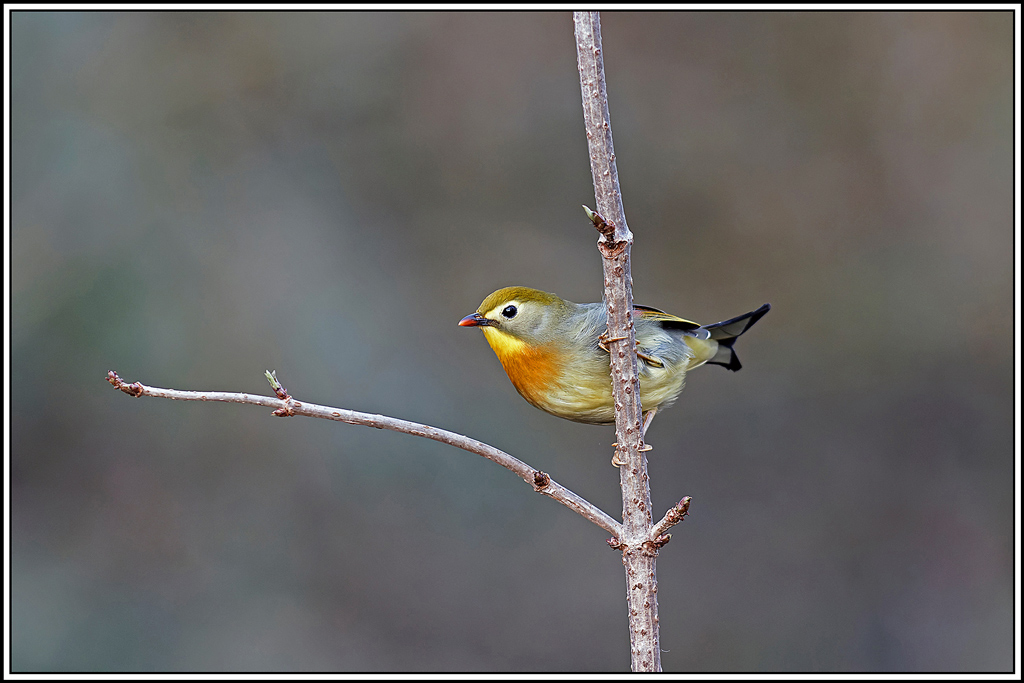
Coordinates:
(610, 246)
(614, 543)
(611, 250)
(134, 389)
(540, 480)
(651, 547)
(285, 410)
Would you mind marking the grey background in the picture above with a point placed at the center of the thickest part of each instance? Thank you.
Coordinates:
(197, 197)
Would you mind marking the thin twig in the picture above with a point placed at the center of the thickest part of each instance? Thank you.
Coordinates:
(675, 514)
(287, 407)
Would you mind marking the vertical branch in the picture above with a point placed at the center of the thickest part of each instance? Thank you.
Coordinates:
(614, 245)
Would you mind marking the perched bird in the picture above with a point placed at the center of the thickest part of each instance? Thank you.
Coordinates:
(554, 352)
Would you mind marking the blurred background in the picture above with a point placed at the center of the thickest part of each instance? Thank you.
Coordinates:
(198, 197)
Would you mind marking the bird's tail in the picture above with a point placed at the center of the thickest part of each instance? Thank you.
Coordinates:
(726, 332)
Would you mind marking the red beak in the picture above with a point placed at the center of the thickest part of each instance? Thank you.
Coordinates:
(475, 320)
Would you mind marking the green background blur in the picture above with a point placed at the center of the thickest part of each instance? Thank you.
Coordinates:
(198, 197)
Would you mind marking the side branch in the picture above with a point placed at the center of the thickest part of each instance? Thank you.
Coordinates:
(541, 482)
(658, 536)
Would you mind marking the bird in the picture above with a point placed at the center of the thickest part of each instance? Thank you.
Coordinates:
(555, 354)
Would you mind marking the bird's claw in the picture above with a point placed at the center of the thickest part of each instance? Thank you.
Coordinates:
(651, 360)
(648, 418)
(603, 339)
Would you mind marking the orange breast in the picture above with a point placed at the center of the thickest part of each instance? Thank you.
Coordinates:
(532, 371)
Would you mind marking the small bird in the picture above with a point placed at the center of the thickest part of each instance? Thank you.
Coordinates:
(554, 351)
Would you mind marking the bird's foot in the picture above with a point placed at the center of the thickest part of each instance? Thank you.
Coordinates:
(617, 462)
(603, 340)
(651, 360)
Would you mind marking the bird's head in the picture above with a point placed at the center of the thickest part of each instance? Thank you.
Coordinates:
(518, 319)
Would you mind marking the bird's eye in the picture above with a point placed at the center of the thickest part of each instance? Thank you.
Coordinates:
(509, 312)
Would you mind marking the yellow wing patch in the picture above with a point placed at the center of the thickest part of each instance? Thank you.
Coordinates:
(666, 319)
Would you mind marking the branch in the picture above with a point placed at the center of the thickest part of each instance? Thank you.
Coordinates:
(286, 406)
(638, 555)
